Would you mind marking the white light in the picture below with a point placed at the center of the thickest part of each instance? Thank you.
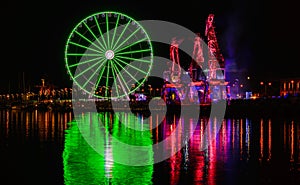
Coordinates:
(109, 54)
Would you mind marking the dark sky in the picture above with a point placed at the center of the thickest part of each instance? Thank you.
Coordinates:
(34, 33)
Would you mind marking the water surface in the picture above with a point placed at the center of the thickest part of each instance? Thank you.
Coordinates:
(49, 148)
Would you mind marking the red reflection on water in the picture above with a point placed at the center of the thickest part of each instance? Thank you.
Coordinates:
(261, 140)
(173, 144)
(196, 146)
(292, 132)
(241, 139)
(269, 140)
(212, 152)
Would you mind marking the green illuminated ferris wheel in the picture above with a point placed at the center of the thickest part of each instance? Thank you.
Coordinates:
(108, 49)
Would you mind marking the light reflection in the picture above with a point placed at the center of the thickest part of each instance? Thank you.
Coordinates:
(233, 134)
(269, 140)
(292, 133)
(7, 120)
(172, 145)
(241, 139)
(212, 151)
(261, 140)
(247, 139)
(236, 139)
(199, 158)
(98, 158)
(26, 125)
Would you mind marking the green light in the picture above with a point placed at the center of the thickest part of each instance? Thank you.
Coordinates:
(117, 47)
(87, 69)
(83, 165)
(100, 76)
(107, 31)
(84, 62)
(131, 52)
(99, 29)
(89, 48)
(124, 81)
(122, 42)
(82, 54)
(117, 22)
(114, 74)
(103, 48)
(121, 35)
(134, 59)
(132, 66)
(107, 76)
(94, 73)
(88, 40)
(118, 77)
(132, 44)
(128, 73)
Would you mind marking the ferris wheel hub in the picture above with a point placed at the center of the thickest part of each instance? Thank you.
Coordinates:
(109, 54)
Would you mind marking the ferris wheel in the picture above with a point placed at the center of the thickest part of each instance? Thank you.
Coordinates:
(108, 49)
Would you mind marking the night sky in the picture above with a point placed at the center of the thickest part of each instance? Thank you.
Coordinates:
(34, 34)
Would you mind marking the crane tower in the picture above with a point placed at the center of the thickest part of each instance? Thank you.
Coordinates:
(216, 63)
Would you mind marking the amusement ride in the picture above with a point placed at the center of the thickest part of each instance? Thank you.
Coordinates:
(109, 49)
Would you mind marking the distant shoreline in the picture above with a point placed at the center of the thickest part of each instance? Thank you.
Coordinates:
(278, 107)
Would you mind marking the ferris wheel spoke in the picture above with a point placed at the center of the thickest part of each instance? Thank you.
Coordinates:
(120, 81)
(134, 59)
(120, 76)
(114, 34)
(107, 31)
(131, 66)
(88, 40)
(107, 77)
(117, 77)
(130, 45)
(88, 48)
(94, 73)
(133, 33)
(100, 75)
(84, 62)
(129, 74)
(121, 35)
(97, 39)
(114, 75)
(99, 29)
(87, 69)
(131, 52)
(84, 54)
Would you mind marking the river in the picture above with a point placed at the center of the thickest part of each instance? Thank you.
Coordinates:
(38, 147)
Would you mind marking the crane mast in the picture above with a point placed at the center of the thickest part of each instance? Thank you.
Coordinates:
(215, 57)
(174, 56)
(196, 66)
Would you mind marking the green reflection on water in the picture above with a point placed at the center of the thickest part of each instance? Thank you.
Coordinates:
(85, 165)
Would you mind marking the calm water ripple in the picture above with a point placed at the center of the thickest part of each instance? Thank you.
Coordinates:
(49, 148)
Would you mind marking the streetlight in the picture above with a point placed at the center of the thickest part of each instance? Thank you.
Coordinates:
(265, 87)
(292, 82)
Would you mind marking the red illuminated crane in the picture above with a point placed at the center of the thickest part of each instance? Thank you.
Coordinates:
(196, 65)
(174, 56)
(215, 57)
